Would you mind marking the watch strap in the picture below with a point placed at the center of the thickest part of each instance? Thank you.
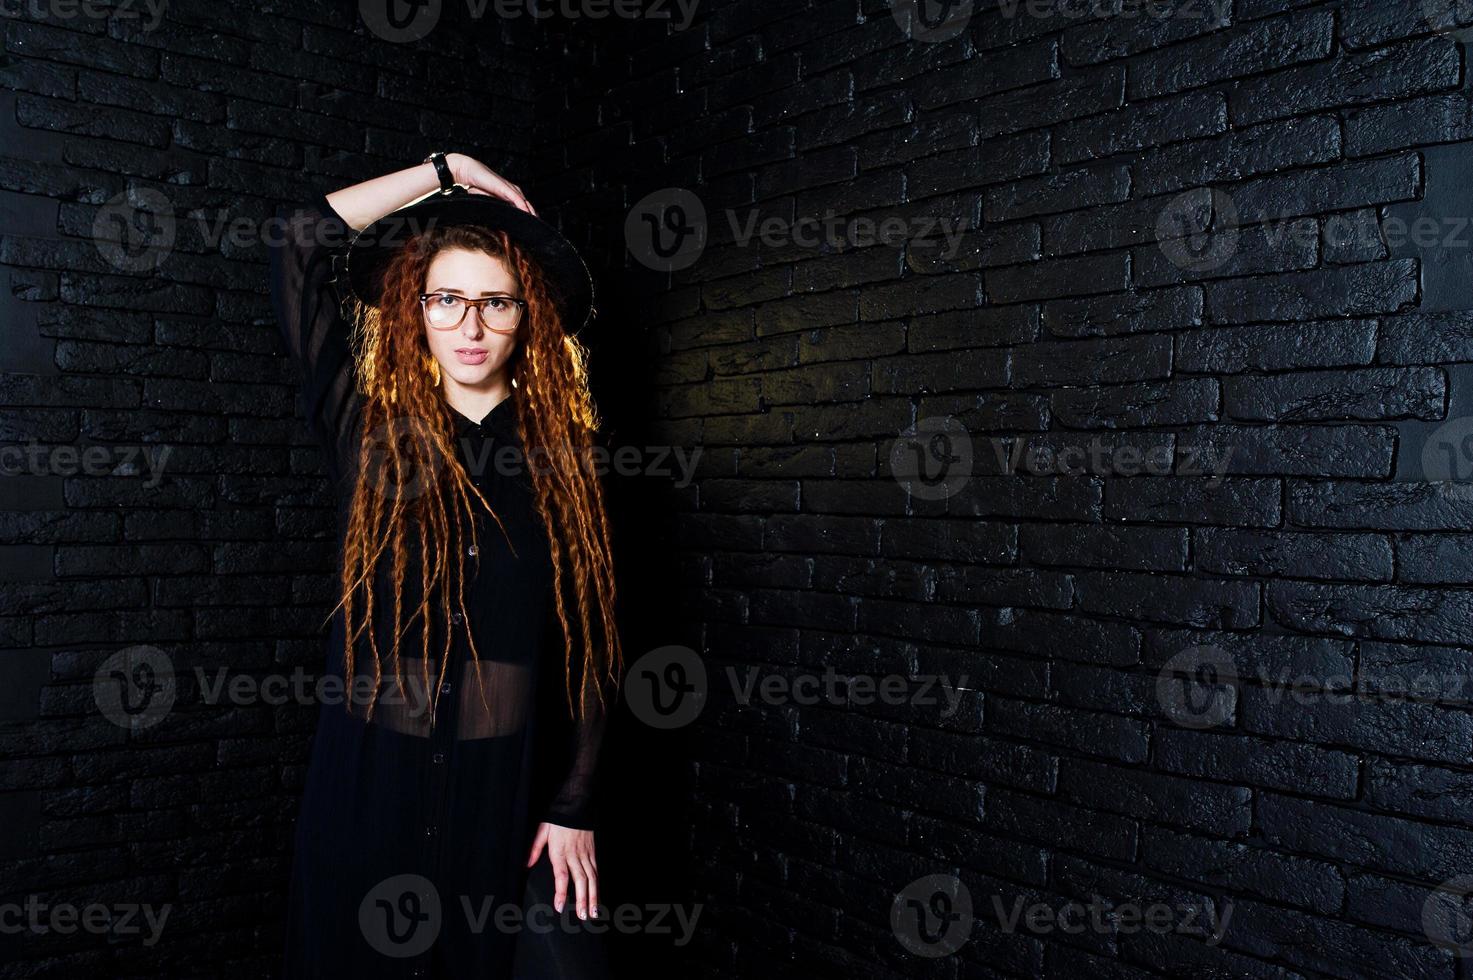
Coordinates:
(442, 170)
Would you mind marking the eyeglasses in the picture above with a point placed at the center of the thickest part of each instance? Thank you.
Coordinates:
(446, 311)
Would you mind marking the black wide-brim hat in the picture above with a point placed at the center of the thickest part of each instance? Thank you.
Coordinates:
(564, 270)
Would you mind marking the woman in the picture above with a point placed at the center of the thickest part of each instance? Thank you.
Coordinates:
(450, 790)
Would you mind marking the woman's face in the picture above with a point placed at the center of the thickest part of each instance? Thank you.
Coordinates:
(472, 354)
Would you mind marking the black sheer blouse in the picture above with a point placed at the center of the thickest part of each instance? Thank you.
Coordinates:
(406, 813)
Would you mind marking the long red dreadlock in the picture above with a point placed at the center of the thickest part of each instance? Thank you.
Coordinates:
(555, 416)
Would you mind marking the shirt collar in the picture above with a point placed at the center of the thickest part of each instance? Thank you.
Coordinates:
(502, 419)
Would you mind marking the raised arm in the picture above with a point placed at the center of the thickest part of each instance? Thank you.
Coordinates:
(362, 204)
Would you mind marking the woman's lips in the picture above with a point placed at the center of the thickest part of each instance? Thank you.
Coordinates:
(471, 355)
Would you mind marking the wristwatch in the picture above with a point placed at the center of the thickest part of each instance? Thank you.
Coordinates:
(442, 170)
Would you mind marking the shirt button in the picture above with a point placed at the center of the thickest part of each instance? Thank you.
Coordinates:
(473, 551)
(431, 830)
(457, 618)
(445, 688)
(438, 758)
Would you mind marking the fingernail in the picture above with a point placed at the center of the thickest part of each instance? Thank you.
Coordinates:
(558, 906)
(582, 914)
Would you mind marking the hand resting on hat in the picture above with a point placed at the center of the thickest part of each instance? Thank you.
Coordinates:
(362, 204)
(481, 179)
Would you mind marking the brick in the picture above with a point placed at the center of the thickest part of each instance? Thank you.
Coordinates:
(1252, 48)
(1393, 844)
(1124, 313)
(1382, 612)
(1412, 68)
(1171, 120)
(1327, 344)
(1392, 506)
(1312, 395)
(1052, 102)
(1235, 551)
(1358, 290)
(1254, 761)
(1238, 154)
(1221, 810)
(1306, 941)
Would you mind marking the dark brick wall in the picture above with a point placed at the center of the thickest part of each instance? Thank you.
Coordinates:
(1171, 246)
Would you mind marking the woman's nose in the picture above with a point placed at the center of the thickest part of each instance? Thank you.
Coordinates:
(472, 327)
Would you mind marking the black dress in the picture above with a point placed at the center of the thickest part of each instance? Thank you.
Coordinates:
(413, 834)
